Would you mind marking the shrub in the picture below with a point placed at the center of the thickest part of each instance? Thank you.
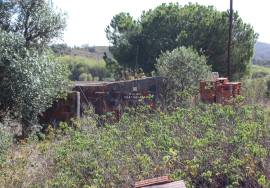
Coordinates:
(259, 71)
(29, 81)
(268, 87)
(259, 75)
(183, 68)
(85, 77)
(207, 146)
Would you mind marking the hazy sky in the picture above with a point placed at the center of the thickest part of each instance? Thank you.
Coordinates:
(87, 19)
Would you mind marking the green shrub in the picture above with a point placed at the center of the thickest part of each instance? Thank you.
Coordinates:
(29, 80)
(85, 77)
(259, 75)
(207, 146)
(183, 68)
(268, 87)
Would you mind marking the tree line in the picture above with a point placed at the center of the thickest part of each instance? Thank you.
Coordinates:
(136, 44)
(30, 79)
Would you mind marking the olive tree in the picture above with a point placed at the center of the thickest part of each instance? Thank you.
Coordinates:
(35, 20)
(30, 78)
(29, 81)
(183, 69)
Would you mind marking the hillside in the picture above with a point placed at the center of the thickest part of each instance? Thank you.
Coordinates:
(95, 52)
(262, 54)
(92, 52)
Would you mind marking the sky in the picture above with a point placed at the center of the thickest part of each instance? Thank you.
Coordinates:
(87, 19)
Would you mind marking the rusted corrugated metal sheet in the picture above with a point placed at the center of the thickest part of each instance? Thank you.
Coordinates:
(177, 184)
(63, 109)
(160, 182)
(153, 181)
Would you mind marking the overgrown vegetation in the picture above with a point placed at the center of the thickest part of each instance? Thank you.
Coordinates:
(260, 71)
(205, 145)
(30, 82)
(256, 88)
(183, 69)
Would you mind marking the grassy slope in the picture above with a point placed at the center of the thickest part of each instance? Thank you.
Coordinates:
(257, 68)
(90, 61)
(97, 54)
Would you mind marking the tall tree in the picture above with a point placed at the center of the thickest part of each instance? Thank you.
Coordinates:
(170, 26)
(30, 79)
(124, 33)
(35, 20)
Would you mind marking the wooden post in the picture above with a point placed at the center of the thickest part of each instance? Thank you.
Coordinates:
(230, 39)
(78, 110)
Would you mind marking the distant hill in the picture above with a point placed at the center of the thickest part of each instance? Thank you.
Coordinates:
(95, 52)
(262, 54)
(91, 52)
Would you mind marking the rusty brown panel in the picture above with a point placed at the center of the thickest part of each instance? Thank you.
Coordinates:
(92, 92)
(177, 184)
(62, 110)
(153, 181)
(105, 96)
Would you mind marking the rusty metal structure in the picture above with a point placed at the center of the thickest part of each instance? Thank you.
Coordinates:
(160, 182)
(63, 109)
(115, 96)
(105, 97)
(219, 90)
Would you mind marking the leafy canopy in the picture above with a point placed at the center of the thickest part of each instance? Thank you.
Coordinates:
(35, 20)
(170, 26)
(29, 81)
(183, 68)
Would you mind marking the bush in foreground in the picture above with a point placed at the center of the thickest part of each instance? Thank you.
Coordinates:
(207, 146)
(29, 81)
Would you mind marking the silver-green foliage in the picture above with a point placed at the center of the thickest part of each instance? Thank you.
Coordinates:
(36, 21)
(30, 81)
(184, 68)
